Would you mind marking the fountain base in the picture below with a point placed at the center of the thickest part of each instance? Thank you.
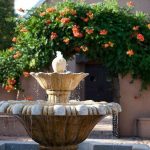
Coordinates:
(70, 147)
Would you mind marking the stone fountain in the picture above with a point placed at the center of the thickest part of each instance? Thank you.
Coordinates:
(59, 123)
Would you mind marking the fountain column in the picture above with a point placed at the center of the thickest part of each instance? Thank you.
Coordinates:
(55, 97)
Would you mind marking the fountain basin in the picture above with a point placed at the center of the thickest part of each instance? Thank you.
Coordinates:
(59, 132)
(58, 85)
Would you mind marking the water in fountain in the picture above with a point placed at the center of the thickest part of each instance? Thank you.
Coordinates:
(76, 93)
(59, 124)
(37, 90)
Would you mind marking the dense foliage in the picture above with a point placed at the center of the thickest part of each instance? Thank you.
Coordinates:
(6, 27)
(103, 32)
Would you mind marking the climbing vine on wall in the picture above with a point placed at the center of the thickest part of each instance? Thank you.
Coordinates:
(111, 35)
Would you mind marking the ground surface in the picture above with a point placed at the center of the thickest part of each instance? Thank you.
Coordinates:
(103, 132)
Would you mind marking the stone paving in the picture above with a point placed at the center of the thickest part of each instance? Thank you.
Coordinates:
(103, 133)
(103, 130)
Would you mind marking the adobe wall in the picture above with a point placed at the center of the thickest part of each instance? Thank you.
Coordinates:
(30, 89)
(140, 5)
(5, 95)
(135, 104)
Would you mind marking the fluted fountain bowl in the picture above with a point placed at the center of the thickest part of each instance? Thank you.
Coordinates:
(58, 85)
(59, 126)
(59, 132)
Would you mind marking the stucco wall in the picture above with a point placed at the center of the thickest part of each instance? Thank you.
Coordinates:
(5, 95)
(135, 104)
(140, 5)
(30, 89)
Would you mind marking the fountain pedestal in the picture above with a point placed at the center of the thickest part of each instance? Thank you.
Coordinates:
(55, 97)
(58, 85)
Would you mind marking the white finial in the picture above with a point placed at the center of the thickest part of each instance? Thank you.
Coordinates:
(59, 63)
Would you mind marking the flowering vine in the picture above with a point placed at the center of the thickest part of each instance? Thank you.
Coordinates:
(115, 37)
